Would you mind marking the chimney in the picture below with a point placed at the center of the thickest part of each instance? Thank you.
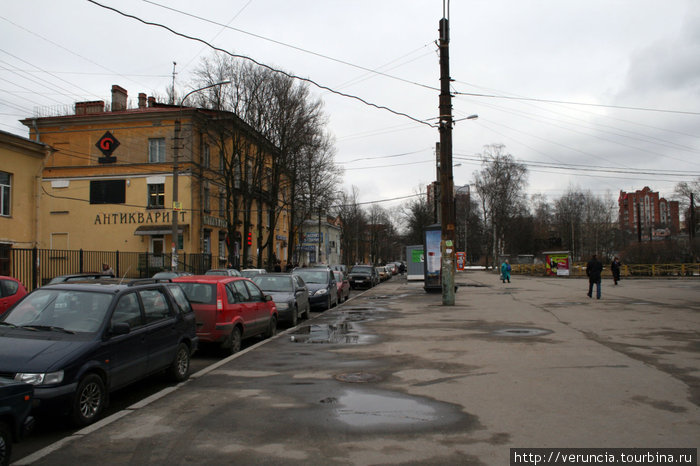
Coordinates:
(119, 96)
(85, 108)
(151, 101)
(142, 100)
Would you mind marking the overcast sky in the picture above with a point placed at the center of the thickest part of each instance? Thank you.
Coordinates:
(557, 80)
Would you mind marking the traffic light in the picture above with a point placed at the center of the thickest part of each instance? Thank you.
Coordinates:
(249, 241)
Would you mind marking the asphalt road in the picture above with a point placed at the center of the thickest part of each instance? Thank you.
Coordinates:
(52, 429)
(395, 377)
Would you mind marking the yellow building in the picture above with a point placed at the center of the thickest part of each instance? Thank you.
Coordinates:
(21, 165)
(110, 184)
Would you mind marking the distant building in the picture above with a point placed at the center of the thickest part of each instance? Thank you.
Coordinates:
(644, 211)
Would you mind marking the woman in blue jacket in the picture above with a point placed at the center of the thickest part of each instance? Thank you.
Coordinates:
(505, 271)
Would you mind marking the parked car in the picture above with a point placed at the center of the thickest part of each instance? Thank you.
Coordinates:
(363, 276)
(76, 342)
(392, 268)
(229, 309)
(11, 291)
(169, 274)
(78, 277)
(250, 273)
(290, 294)
(224, 272)
(383, 273)
(15, 419)
(323, 290)
(343, 286)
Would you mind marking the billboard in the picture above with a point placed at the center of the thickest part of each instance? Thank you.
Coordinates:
(558, 263)
(433, 258)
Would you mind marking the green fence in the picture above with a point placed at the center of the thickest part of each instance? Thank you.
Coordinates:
(578, 269)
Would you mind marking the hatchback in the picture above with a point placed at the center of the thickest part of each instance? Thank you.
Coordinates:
(11, 291)
(76, 342)
(229, 309)
(323, 290)
(290, 294)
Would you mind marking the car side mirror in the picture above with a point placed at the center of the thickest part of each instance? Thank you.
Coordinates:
(268, 298)
(121, 328)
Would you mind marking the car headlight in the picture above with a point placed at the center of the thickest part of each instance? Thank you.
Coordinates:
(282, 306)
(320, 292)
(40, 379)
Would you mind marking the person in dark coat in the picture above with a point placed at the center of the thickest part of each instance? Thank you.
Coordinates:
(593, 269)
(615, 269)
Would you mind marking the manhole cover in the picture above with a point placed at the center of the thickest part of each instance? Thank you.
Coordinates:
(521, 332)
(357, 377)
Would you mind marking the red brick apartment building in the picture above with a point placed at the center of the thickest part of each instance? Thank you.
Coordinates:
(659, 217)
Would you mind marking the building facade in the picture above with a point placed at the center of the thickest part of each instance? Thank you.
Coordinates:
(319, 242)
(21, 165)
(127, 179)
(644, 212)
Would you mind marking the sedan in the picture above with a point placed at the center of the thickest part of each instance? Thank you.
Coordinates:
(11, 291)
(229, 309)
(343, 286)
(323, 290)
(290, 294)
(250, 273)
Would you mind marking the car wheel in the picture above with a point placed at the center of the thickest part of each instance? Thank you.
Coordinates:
(5, 444)
(233, 343)
(89, 400)
(271, 328)
(180, 368)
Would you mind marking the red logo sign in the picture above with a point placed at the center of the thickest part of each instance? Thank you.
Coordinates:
(107, 144)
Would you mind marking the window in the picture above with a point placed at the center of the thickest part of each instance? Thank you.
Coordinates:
(205, 199)
(222, 164)
(155, 305)
(207, 242)
(241, 292)
(5, 185)
(156, 150)
(222, 204)
(255, 293)
(128, 311)
(156, 196)
(206, 160)
(108, 192)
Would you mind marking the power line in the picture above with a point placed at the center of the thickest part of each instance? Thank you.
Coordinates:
(532, 99)
(244, 57)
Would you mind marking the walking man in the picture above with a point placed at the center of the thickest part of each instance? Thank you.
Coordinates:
(593, 269)
(615, 269)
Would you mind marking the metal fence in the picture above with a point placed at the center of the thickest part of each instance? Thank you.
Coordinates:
(36, 267)
(578, 269)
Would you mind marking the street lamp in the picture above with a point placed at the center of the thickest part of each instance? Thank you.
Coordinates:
(176, 148)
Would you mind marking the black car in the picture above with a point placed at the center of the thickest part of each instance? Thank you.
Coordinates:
(289, 292)
(323, 289)
(363, 276)
(15, 421)
(76, 342)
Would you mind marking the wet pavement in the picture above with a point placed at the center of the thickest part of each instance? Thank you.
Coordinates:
(394, 377)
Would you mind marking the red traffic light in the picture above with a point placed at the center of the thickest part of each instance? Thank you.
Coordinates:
(250, 238)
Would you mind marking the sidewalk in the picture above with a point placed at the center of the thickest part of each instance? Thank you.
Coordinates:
(394, 377)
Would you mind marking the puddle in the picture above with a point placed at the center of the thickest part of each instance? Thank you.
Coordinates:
(342, 333)
(360, 409)
(392, 411)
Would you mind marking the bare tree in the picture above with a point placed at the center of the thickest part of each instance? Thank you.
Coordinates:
(501, 188)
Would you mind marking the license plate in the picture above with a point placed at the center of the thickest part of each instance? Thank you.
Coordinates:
(359, 281)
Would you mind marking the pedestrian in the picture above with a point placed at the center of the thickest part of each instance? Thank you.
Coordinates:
(615, 269)
(278, 267)
(107, 270)
(593, 269)
(505, 271)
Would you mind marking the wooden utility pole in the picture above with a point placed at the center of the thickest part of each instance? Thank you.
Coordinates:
(447, 212)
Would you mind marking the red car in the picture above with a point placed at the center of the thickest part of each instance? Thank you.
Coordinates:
(229, 309)
(343, 286)
(11, 291)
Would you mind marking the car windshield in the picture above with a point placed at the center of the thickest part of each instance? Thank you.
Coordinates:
(273, 283)
(68, 310)
(361, 269)
(216, 272)
(250, 273)
(313, 276)
(199, 293)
